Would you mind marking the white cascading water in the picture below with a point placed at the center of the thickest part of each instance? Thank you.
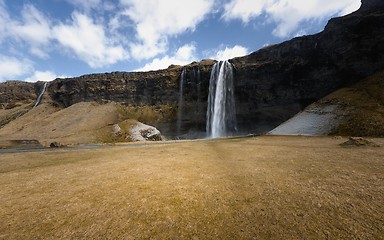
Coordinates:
(221, 111)
(181, 101)
(38, 100)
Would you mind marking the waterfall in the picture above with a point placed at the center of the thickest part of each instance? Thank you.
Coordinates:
(41, 94)
(181, 101)
(221, 111)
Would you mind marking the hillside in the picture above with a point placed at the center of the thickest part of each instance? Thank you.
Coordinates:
(77, 124)
(357, 110)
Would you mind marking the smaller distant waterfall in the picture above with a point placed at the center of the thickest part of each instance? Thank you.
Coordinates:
(221, 111)
(181, 100)
(38, 100)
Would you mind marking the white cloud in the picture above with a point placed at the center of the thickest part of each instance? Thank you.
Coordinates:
(80, 35)
(244, 9)
(88, 5)
(224, 52)
(183, 56)
(42, 76)
(228, 53)
(12, 68)
(353, 6)
(287, 14)
(35, 27)
(85, 4)
(35, 30)
(88, 41)
(156, 20)
(4, 20)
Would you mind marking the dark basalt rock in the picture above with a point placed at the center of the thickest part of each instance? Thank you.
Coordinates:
(13, 93)
(55, 145)
(271, 85)
(277, 81)
(371, 5)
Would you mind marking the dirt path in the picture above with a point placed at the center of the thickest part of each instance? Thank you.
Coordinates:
(265, 188)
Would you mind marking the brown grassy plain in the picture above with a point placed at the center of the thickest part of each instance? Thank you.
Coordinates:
(270, 187)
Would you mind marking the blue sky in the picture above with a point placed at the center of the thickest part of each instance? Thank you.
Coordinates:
(44, 39)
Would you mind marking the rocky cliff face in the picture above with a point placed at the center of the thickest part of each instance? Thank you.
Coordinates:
(14, 93)
(143, 88)
(279, 80)
(271, 85)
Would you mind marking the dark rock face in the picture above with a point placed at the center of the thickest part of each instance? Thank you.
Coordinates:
(370, 5)
(13, 93)
(142, 88)
(279, 80)
(136, 88)
(271, 85)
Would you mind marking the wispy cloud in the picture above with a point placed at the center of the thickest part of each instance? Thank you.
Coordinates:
(12, 68)
(43, 76)
(156, 20)
(224, 52)
(287, 14)
(89, 5)
(228, 53)
(88, 41)
(32, 30)
(183, 56)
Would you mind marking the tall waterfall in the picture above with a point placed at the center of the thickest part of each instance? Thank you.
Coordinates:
(38, 100)
(181, 100)
(221, 111)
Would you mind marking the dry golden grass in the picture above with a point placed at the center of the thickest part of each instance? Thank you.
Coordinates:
(258, 188)
(81, 123)
(148, 114)
(77, 124)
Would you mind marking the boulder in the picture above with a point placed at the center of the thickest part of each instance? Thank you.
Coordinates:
(143, 132)
(359, 142)
(55, 145)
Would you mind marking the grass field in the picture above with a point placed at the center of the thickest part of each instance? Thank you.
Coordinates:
(268, 187)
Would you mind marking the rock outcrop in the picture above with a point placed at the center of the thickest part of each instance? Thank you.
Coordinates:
(271, 85)
(143, 132)
(359, 142)
(15, 93)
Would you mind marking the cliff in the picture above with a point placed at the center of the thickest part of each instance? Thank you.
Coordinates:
(356, 110)
(271, 85)
(279, 80)
(15, 93)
